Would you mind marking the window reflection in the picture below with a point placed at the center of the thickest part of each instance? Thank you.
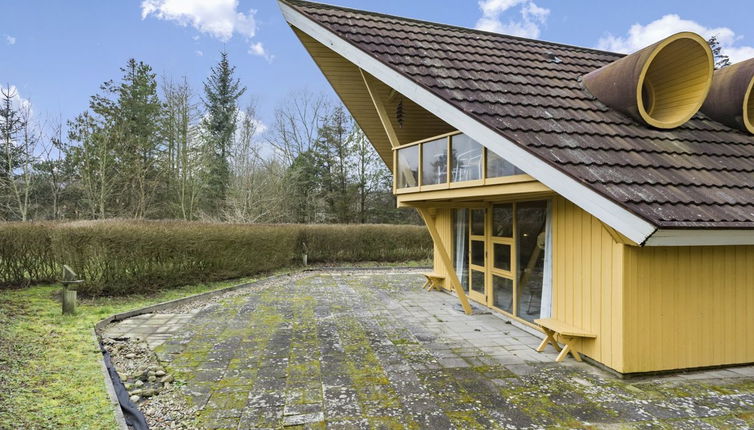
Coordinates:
(502, 220)
(408, 167)
(531, 219)
(498, 167)
(477, 222)
(502, 256)
(466, 161)
(502, 293)
(435, 162)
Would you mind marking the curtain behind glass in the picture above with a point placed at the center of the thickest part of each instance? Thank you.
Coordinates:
(460, 244)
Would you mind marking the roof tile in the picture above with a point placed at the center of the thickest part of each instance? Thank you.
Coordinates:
(700, 175)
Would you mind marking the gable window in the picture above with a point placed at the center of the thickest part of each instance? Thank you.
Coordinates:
(451, 160)
(498, 167)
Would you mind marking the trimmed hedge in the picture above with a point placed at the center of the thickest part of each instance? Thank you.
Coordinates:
(122, 257)
(26, 254)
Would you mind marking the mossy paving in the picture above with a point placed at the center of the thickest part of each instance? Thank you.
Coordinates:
(337, 351)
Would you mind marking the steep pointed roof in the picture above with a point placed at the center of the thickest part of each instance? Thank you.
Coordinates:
(529, 92)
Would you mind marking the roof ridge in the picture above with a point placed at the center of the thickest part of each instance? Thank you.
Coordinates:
(295, 3)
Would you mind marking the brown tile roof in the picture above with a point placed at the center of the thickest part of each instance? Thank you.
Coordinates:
(700, 175)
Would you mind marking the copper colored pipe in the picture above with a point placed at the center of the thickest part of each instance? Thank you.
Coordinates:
(731, 99)
(632, 86)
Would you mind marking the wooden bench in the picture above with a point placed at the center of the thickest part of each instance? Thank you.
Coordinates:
(567, 333)
(434, 281)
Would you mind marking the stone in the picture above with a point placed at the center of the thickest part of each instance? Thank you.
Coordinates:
(159, 373)
(130, 356)
(134, 399)
(166, 379)
(138, 383)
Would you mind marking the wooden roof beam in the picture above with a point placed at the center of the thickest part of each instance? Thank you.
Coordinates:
(369, 81)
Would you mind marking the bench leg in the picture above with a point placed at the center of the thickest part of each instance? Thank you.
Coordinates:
(569, 341)
(549, 339)
(426, 285)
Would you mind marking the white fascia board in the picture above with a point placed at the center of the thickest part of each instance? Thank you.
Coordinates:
(708, 237)
(617, 217)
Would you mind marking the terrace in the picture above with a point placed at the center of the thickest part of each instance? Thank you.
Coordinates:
(371, 349)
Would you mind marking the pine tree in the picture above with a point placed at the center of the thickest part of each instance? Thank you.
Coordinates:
(138, 116)
(221, 93)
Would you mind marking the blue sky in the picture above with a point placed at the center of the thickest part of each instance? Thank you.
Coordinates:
(58, 53)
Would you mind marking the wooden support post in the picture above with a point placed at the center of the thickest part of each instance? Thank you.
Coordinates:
(69, 302)
(429, 219)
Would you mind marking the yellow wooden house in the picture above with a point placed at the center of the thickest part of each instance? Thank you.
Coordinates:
(610, 196)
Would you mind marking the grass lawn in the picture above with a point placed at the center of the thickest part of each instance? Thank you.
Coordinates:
(50, 374)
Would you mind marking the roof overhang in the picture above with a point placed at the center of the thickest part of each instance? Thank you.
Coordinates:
(635, 228)
(700, 237)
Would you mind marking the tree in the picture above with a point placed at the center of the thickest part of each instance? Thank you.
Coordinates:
(19, 136)
(180, 133)
(221, 93)
(721, 60)
(137, 114)
(94, 161)
(369, 172)
(298, 120)
(51, 181)
(333, 155)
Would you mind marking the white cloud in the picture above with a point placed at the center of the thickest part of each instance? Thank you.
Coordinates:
(199, 53)
(10, 40)
(258, 49)
(529, 25)
(217, 18)
(17, 101)
(640, 36)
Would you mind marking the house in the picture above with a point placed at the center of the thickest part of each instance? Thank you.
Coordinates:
(563, 182)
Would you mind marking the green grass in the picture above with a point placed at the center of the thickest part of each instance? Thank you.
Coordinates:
(50, 374)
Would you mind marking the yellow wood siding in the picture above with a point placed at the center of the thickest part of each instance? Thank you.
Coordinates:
(688, 307)
(652, 308)
(444, 221)
(587, 281)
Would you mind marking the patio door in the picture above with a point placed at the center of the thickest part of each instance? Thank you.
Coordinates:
(508, 263)
(502, 268)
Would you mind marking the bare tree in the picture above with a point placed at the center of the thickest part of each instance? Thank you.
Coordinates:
(297, 122)
(94, 161)
(181, 134)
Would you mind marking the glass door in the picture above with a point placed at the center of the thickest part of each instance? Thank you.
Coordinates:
(502, 252)
(478, 254)
(503, 248)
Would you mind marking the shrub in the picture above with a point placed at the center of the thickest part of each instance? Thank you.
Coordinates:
(25, 254)
(352, 243)
(122, 257)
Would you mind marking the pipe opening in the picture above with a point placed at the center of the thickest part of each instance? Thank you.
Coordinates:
(675, 83)
(648, 97)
